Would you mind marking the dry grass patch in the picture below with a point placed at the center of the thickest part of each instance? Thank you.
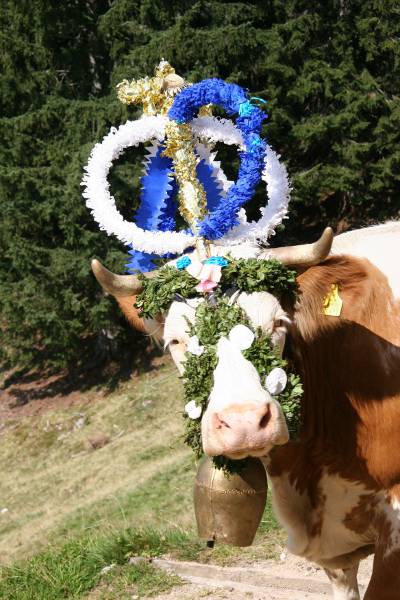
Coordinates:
(54, 480)
(76, 505)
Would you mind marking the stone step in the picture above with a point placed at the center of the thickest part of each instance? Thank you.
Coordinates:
(245, 579)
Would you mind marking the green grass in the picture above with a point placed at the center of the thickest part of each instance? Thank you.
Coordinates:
(127, 582)
(75, 568)
(73, 510)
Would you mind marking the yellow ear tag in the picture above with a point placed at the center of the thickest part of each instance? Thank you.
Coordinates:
(332, 303)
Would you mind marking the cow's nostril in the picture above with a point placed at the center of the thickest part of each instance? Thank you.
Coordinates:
(264, 420)
(220, 423)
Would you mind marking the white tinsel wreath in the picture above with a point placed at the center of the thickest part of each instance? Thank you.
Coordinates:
(132, 133)
(278, 189)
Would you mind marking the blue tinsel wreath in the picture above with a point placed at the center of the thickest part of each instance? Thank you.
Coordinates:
(234, 100)
(157, 207)
(158, 203)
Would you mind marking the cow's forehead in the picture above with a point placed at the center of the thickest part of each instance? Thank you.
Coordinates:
(262, 309)
(178, 319)
(235, 378)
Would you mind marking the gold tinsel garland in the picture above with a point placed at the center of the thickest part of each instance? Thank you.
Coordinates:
(156, 94)
(191, 195)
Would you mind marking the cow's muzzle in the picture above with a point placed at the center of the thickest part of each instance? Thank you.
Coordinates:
(244, 430)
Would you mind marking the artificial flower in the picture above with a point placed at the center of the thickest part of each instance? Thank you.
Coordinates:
(192, 410)
(194, 346)
(183, 262)
(221, 261)
(210, 276)
(241, 336)
(276, 381)
(211, 273)
(206, 286)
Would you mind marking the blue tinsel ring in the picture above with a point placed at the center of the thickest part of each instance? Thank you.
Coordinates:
(234, 100)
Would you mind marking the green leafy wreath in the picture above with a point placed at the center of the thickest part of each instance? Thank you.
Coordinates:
(247, 275)
(215, 319)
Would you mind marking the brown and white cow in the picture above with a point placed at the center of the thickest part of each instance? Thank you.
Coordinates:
(336, 490)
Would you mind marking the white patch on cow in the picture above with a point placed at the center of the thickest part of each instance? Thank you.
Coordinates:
(391, 510)
(341, 497)
(236, 380)
(379, 244)
(264, 311)
(338, 498)
(291, 509)
(241, 418)
(178, 319)
(176, 330)
(344, 583)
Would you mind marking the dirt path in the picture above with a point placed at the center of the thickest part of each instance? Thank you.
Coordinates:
(289, 579)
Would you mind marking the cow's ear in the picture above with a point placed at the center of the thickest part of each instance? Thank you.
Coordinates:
(125, 288)
(127, 305)
(152, 327)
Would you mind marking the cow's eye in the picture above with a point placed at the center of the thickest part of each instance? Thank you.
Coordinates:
(282, 322)
(173, 342)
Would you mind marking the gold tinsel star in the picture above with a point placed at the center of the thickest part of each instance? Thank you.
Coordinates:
(155, 93)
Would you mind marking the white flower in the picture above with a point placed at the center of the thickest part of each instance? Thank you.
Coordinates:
(276, 381)
(241, 336)
(194, 347)
(195, 268)
(193, 411)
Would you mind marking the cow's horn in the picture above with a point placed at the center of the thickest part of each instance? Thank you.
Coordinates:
(305, 255)
(117, 285)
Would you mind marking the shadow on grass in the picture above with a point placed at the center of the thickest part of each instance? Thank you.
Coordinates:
(105, 369)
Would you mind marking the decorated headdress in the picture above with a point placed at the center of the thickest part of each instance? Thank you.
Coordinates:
(182, 178)
(181, 173)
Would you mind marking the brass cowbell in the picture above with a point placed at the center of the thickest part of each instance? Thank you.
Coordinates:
(229, 508)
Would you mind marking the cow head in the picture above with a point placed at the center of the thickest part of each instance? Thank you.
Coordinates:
(242, 418)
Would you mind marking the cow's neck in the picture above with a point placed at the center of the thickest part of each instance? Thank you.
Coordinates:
(350, 366)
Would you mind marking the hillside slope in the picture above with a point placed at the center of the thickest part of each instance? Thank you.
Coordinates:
(109, 460)
(89, 480)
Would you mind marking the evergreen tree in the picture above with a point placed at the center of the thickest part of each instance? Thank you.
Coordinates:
(329, 71)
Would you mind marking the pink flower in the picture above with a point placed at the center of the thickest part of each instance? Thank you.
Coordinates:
(210, 273)
(206, 286)
(209, 277)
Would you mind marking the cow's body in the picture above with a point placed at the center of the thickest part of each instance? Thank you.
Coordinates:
(336, 490)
